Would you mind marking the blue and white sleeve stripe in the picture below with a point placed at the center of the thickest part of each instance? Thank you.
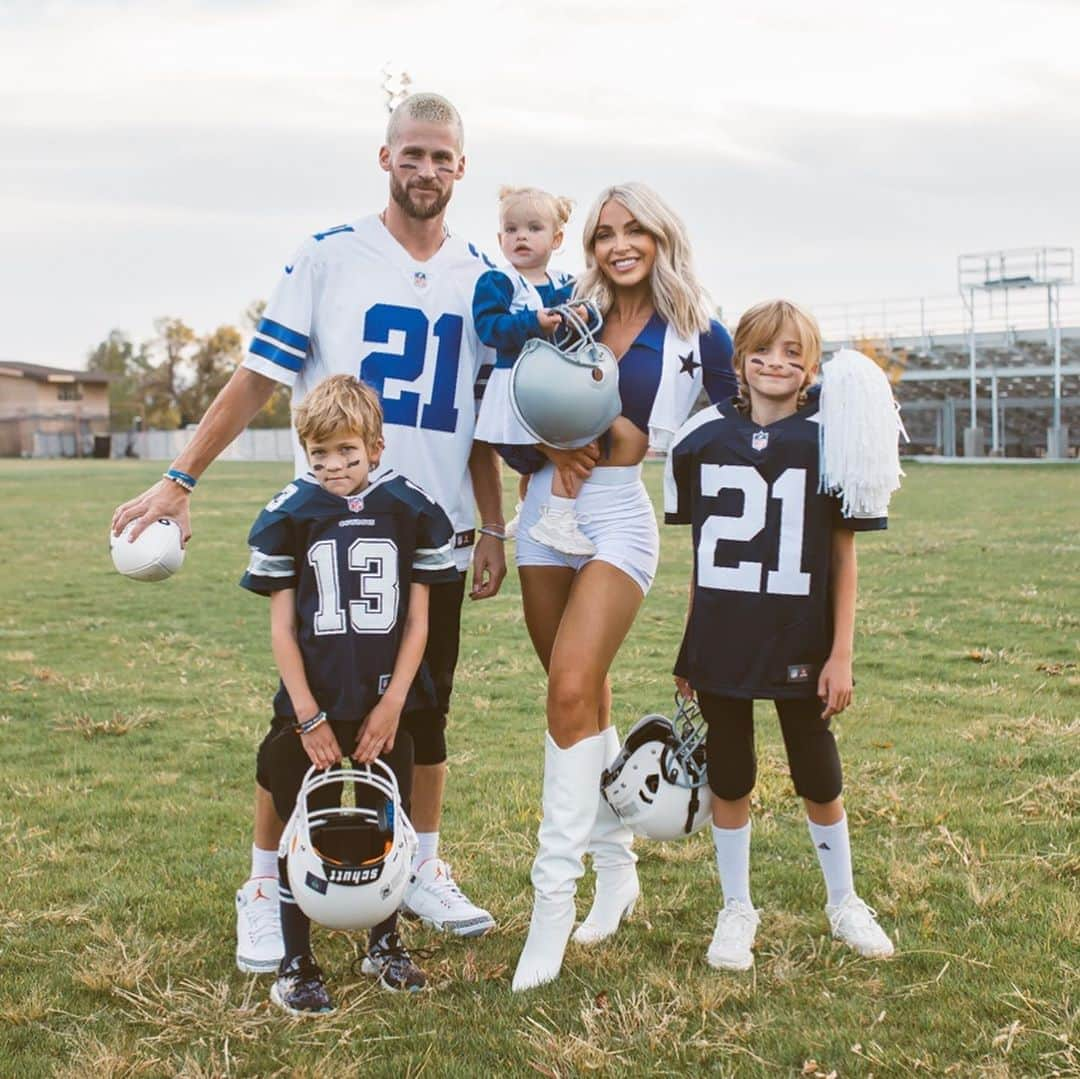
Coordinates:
(279, 344)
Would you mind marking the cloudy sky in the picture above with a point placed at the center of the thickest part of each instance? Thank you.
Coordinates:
(165, 158)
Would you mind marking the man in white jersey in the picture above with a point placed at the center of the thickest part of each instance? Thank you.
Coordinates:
(389, 298)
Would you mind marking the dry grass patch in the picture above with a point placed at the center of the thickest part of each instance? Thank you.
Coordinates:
(1052, 1025)
(1049, 798)
(113, 961)
(118, 724)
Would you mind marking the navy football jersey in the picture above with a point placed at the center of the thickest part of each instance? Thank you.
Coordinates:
(761, 623)
(351, 561)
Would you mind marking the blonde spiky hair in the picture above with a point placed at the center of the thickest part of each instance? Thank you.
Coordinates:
(433, 108)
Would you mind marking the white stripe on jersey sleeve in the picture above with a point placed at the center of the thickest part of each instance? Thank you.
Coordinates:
(671, 491)
(433, 558)
(270, 565)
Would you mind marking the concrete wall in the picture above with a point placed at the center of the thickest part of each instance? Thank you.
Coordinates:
(272, 444)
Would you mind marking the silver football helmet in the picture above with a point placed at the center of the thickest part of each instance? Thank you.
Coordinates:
(657, 785)
(348, 866)
(565, 392)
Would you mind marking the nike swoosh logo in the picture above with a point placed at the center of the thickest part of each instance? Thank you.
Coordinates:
(288, 269)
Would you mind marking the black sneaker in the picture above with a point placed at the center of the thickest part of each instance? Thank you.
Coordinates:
(388, 960)
(300, 989)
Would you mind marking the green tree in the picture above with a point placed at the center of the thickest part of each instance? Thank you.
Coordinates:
(209, 366)
(277, 411)
(171, 380)
(118, 357)
(163, 381)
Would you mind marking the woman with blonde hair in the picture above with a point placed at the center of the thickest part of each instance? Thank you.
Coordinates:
(578, 609)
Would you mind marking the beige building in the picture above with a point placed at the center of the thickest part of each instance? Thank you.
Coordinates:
(49, 412)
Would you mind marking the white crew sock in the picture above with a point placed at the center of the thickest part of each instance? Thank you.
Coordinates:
(263, 862)
(834, 853)
(557, 504)
(427, 846)
(733, 861)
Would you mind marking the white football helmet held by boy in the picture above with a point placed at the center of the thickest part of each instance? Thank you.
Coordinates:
(348, 865)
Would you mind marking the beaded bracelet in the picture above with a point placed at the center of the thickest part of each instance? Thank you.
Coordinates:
(181, 479)
(490, 530)
(309, 725)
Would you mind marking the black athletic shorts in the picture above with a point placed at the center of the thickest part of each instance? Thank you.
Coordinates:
(813, 759)
(282, 763)
(428, 726)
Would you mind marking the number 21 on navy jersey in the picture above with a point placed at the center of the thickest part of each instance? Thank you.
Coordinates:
(761, 623)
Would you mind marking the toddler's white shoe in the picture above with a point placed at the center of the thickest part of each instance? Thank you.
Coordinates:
(559, 530)
(511, 529)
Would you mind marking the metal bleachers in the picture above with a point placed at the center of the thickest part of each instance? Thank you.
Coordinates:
(1009, 342)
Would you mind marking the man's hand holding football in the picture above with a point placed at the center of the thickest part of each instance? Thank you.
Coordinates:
(164, 499)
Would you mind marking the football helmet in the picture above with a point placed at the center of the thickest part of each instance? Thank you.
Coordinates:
(565, 392)
(349, 865)
(657, 783)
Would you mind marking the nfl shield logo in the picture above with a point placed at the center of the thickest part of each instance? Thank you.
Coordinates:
(356, 503)
(759, 441)
(419, 279)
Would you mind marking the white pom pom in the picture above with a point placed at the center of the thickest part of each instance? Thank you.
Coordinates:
(860, 429)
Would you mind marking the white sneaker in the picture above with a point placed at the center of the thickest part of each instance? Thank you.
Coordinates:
(434, 897)
(855, 924)
(733, 938)
(558, 529)
(259, 946)
(510, 530)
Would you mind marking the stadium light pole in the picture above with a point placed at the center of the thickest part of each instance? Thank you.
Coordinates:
(965, 264)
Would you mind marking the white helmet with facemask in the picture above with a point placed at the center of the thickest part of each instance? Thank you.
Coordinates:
(349, 865)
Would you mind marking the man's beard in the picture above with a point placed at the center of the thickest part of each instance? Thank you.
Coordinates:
(400, 194)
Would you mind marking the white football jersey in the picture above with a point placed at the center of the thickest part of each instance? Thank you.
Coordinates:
(354, 301)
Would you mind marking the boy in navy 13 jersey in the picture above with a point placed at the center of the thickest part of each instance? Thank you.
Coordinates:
(772, 611)
(346, 564)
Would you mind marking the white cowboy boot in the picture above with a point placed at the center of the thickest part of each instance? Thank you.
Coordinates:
(571, 780)
(617, 887)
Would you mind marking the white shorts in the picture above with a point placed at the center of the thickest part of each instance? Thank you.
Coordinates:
(615, 512)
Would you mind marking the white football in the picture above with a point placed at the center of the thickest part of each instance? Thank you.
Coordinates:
(155, 555)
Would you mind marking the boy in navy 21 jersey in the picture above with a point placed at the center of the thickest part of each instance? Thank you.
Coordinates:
(761, 624)
(346, 564)
(772, 611)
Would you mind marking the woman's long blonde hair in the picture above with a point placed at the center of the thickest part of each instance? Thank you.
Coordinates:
(678, 296)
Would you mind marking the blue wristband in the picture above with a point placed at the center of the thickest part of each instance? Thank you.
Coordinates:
(180, 477)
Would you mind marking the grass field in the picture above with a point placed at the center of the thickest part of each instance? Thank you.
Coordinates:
(129, 714)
